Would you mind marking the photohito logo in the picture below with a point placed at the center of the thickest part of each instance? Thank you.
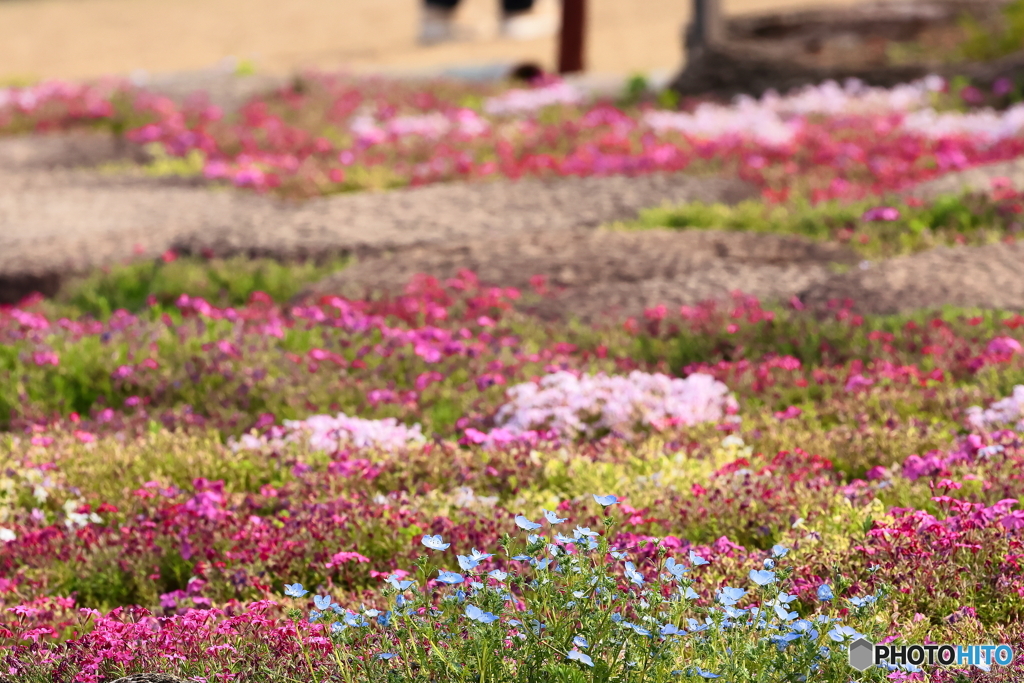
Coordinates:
(864, 654)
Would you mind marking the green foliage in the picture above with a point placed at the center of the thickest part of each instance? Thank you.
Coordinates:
(222, 282)
(970, 219)
(996, 39)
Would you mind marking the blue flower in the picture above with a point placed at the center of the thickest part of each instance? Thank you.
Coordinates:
(450, 578)
(633, 575)
(314, 615)
(477, 614)
(580, 641)
(639, 630)
(435, 542)
(384, 619)
(674, 568)
(784, 613)
(400, 585)
(338, 627)
(669, 630)
(705, 674)
(581, 531)
(525, 524)
(696, 626)
(825, 592)
(580, 657)
(730, 596)
(769, 563)
(386, 655)
(863, 602)
(606, 500)
(690, 594)
(779, 550)
(522, 558)
(696, 560)
(841, 633)
(498, 575)
(553, 518)
(295, 590)
(322, 601)
(352, 619)
(467, 563)
(762, 577)
(479, 556)
(561, 538)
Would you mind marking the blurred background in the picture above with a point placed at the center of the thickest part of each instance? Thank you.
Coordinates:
(73, 39)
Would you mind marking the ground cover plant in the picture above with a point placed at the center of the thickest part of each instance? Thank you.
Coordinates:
(166, 473)
(326, 134)
(874, 230)
(203, 476)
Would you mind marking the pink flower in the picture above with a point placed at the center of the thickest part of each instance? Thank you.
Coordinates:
(1003, 346)
(344, 557)
(789, 413)
(41, 358)
(858, 382)
(881, 213)
(875, 473)
(84, 437)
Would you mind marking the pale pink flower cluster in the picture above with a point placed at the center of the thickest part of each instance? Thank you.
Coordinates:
(1008, 412)
(327, 433)
(987, 124)
(586, 405)
(712, 121)
(853, 97)
(776, 119)
(29, 98)
(529, 100)
(432, 126)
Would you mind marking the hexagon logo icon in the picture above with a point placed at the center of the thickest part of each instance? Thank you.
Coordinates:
(862, 654)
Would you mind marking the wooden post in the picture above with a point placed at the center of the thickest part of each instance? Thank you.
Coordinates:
(706, 23)
(571, 39)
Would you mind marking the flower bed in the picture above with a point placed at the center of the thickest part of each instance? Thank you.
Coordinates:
(437, 487)
(828, 472)
(336, 134)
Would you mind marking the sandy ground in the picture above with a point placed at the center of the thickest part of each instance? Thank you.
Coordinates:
(91, 38)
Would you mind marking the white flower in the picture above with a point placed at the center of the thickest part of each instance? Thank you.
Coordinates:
(7, 535)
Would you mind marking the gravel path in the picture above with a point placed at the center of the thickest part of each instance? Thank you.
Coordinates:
(58, 216)
(977, 179)
(596, 274)
(599, 273)
(57, 219)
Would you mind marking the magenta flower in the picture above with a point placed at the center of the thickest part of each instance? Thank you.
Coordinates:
(881, 213)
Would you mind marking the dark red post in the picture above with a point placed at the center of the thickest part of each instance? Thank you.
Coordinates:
(570, 42)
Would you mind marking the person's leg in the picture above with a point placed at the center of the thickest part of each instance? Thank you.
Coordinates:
(530, 19)
(514, 6)
(438, 21)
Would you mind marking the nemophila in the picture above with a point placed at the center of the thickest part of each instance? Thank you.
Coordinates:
(579, 606)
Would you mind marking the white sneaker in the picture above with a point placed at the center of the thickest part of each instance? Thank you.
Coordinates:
(437, 25)
(542, 21)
